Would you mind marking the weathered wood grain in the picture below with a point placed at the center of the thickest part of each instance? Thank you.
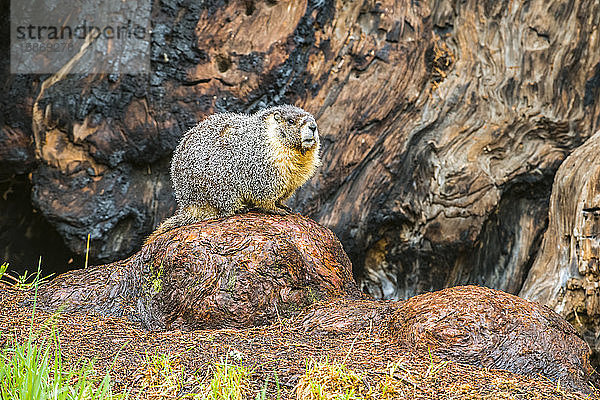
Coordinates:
(566, 271)
(453, 185)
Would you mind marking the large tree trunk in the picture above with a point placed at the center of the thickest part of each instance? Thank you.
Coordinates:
(566, 272)
(443, 125)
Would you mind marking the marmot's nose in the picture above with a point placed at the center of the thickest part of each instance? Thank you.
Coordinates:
(313, 127)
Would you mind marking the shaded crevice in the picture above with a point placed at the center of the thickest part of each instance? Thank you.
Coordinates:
(394, 267)
(25, 235)
(509, 240)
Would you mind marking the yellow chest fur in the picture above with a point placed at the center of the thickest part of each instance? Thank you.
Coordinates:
(295, 168)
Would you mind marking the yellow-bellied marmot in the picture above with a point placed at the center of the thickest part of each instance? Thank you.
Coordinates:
(230, 163)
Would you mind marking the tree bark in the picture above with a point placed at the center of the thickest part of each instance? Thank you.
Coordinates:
(566, 272)
(443, 125)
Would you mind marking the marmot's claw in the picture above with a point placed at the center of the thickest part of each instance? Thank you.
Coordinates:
(283, 211)
(285, 208)
(278, 211)
(244, 210)
(272, 211)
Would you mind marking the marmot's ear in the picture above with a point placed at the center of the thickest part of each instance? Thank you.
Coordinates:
(277, 115)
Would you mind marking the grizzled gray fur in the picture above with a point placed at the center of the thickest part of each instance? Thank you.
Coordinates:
(230, 163)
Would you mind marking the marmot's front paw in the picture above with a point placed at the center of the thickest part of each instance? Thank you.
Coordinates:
(278, 210)
(245, 209)
(286, 210)
(272, 211)
(283, 211)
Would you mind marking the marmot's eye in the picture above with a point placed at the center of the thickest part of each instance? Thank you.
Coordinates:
(291, 121)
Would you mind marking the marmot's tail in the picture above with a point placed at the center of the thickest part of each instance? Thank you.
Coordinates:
(179, 219)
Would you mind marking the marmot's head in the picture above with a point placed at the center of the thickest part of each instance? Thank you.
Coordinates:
(294, 127)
